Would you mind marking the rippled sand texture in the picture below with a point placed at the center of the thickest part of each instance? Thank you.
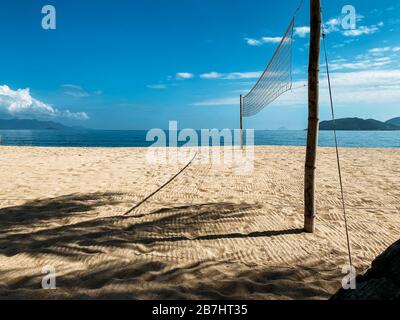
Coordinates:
(209, 234)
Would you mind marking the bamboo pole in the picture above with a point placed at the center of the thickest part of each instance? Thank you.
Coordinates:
(313, 114)
(241, 121)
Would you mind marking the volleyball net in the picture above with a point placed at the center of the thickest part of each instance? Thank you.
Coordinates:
(275, 80)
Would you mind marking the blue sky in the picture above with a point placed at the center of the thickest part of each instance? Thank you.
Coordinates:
(138, 64)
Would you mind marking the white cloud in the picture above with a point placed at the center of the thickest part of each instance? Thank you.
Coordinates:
(374, 59)
(243, 75)
(72, 86)
(78, 91)
(361, 64)
(263, 40)
(332, 25)
(380, 50)
(76, 94)
(20, 102)
(363, 30)
(271, 39)
(369, 78)
(302, 31)
(184, 75)
(298, 31)
(231, 75)
(211, 75)
(218, 102)
(253, 42)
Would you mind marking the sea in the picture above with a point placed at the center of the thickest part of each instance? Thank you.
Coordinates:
(132, 138)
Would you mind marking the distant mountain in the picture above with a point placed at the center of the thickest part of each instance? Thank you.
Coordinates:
(27, 124)
(357, 124)
(395, 121)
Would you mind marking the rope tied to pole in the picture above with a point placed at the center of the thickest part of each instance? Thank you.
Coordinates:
(298, 8)
(336, 141)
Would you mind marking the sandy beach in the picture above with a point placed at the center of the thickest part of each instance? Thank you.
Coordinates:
(210, 234)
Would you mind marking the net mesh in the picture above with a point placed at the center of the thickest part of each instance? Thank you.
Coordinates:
(275, 80)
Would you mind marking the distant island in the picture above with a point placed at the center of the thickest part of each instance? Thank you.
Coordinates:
(395, 121)
(30, 124)
(357, 124)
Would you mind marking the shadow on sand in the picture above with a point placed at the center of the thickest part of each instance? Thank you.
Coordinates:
(51, 218)
(56, 235)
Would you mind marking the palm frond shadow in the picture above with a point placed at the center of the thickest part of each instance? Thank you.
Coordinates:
(157, 280)
(165, 225)
(138, 280)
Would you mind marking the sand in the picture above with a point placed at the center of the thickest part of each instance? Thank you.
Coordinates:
(209, 234)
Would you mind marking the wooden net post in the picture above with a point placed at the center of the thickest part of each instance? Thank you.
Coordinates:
(313, 114)
(241, 121)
